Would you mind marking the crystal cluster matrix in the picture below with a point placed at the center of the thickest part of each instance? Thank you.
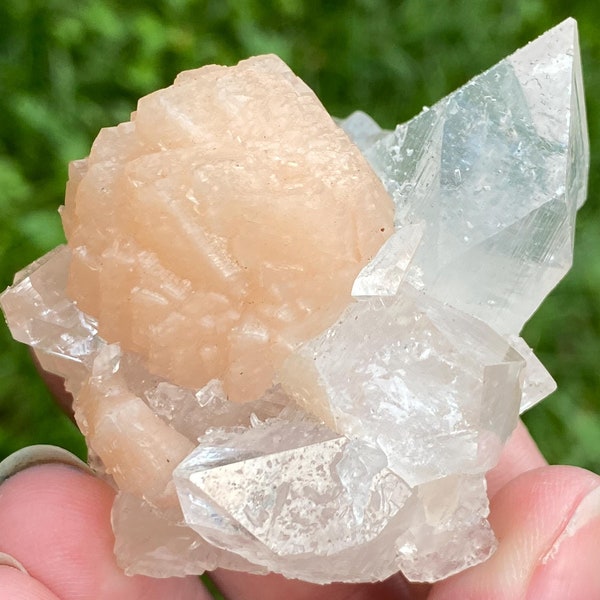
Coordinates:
(293, 342)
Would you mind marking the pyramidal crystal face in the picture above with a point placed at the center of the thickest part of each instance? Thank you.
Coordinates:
(497, 171)
(231, 243)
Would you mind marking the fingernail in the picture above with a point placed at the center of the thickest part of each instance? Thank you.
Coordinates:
(6, 560)
(570, 568)
(40, 454)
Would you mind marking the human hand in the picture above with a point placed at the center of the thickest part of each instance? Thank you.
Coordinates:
(56, 541)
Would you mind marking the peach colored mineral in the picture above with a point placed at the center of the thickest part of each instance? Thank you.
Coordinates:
(222, 225)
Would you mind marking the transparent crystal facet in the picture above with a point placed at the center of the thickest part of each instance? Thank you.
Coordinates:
(496, 170)
(411, 364)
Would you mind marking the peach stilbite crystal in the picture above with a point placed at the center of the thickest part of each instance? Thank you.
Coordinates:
(222, 225)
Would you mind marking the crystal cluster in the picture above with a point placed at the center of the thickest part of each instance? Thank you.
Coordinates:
(290, 352)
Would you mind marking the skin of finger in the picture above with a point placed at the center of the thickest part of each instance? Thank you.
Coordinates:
(570, 569)
(16, 585)
(56, 386)
(243, 586)
(519, 455)
(55, 520)
(528, 515)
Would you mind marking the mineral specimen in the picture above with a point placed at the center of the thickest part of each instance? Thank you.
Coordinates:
(291, 352)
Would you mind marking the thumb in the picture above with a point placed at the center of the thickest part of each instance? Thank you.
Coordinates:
(548, 525)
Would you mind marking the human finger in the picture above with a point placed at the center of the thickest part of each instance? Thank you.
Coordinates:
(243, 586)
(56, 386)
(18, 585)
(547, 522)
(55, 520)
(520, 454)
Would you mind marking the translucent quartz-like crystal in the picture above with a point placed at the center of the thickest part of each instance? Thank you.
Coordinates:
(411, 363)
(497, 170)
(371, 421)
(222, 225)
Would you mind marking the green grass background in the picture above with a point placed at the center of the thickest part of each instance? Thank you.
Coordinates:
(70, 67)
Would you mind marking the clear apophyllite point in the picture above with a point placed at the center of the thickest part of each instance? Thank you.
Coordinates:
(497, 170)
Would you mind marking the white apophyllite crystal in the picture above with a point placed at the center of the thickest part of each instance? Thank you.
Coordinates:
(383, 275)
(416, 378)
(368, 450)
(300, 497)
(497, 171)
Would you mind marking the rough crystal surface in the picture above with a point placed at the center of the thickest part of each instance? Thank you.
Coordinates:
(222, 225)
(231, 247)
(411, 363)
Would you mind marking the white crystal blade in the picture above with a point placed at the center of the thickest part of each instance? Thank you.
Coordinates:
(362, 129)
(40, 314)
(537, 382)
(497, 170)
(267, 478)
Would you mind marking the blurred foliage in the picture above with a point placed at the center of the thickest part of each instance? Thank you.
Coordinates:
(70, 67)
